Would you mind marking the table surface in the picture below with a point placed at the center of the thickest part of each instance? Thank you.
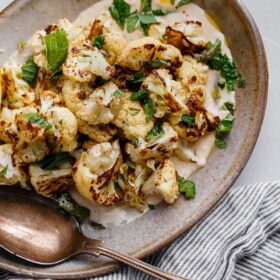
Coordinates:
(264, 164)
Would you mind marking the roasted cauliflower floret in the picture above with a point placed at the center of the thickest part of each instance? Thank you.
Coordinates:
(156, 147)
(186, 36)
(16, 92)
(191, 130)
(167, 94)
(49, 182)
(130, 181)
(8, 128)
(145, 49)
(131, 118)
(63, 134)
(114, 42)
(157, 31)
(9, 174)
(48, 99)
(163, 182)
(95, 172)
(85, 62)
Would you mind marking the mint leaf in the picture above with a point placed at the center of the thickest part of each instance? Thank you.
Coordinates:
(157, 63)
(118, 93)
(225, 125)
(56, 48)
(220, 142)
(120, 10)
(38, 120)
(188, 119)
(182, 3)
(29, 71)
(53, 78)
(149, 108)
(54, 160)
(147, 18)
(146, 5)
(156, 132)
(99, 41)
(133, 22)
(139, 95)
(160, 12)
(187, 187)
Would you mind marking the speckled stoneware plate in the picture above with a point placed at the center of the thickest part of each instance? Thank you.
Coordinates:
(158, 228)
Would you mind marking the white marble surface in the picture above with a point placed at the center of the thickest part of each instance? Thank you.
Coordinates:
(264, 164)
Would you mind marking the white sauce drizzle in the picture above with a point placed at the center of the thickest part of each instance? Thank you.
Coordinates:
(117, 215)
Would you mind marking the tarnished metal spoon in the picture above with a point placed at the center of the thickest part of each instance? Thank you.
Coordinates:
(32, 228)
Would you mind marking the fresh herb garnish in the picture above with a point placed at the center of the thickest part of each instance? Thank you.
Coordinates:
(54, 160)
(131, 164)
(223, 128)
(221, 62)
(118, 93)
(182, 3)
(151, 207)
(187, 187)
(69, 205)
(135, 81)
(53, 78)
(220, 142)
(29, 71)
(99, 41)
(141, 94)
(120, 10)
(96, 225)
(21, 45)
(56, 48)
(228, 106)
(149, 108)
(160, 12)
(221, 84)
(188, 119)
(134, 111)
(157, 63)
(38, 120)
(99, 81)
(3, 172)
(156, 132)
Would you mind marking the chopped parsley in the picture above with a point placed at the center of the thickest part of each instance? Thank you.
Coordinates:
(4, 171)
(157, 63)
(70, 206)
(187, 187)
(54, 160)
(149, 108)
(38, 120)
(156, 132)
(29, 71)
(120, 10)
(221, 62)
(56, 45)
(99, 41)
(141, 94)
(188, 119)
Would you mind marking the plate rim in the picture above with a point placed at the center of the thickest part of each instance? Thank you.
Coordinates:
(109, 267)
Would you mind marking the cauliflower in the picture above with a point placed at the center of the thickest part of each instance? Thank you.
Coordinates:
(155, 147)
(49, 182)
(130, 181)
(163, 182)
(8, 128)
(131, 118)
(47, 99)
(16, 92)
(167, 94)
(84, 62)
(157, 31)
(9, 174)
(137, 52)
(99, 133)
(63, 134)
(186, 36)
(114, 42)
(95, 172)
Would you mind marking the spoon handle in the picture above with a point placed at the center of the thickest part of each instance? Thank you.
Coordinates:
(97, 248)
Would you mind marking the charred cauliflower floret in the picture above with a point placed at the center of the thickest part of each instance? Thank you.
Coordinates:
(191, 130)
(186, 36)
(16, 92)
(47, 99)
(145, 49)
(9, 174)
(161, 145)
(131, 118)
(85, 62)
(8, 128)
(95, 172)
(49, 182)
(167, 94)
(114, 42)
(63, 134)
(163, 182)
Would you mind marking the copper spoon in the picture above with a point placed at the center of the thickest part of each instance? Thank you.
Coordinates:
(32, 228)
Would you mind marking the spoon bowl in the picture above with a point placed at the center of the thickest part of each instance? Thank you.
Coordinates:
(33, 228)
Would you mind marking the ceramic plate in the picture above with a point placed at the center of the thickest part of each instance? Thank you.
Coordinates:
(160, 227)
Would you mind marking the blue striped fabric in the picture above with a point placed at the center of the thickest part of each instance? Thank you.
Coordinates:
(239, 240)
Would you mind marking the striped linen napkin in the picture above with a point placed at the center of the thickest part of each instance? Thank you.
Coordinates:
(239, 240)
